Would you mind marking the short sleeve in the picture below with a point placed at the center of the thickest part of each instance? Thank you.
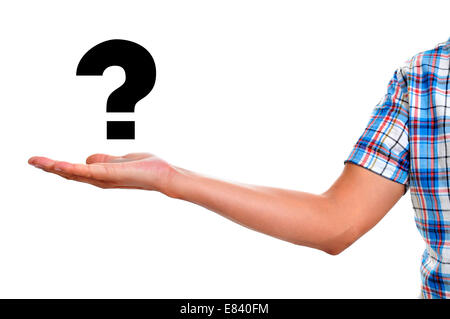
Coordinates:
(383, 148)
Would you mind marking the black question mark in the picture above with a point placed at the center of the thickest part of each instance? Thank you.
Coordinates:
(140, 76)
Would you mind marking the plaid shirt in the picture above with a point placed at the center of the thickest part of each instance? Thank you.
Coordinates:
(407, 140)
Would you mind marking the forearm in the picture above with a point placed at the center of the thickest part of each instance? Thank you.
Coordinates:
(298, 217)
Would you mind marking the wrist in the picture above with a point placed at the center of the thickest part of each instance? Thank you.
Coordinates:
(173, 186)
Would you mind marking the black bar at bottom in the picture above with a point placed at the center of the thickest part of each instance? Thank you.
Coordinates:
(218, 308)
(120, 130)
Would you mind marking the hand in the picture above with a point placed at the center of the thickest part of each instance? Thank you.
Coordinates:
(135, 170)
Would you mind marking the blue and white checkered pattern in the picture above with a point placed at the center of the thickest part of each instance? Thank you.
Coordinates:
(407, 140)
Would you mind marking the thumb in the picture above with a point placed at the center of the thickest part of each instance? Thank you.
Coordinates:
(103, 158)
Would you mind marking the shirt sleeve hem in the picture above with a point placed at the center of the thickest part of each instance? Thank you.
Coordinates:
(402, 179)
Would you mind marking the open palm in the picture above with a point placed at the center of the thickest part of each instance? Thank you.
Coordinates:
(135, 170)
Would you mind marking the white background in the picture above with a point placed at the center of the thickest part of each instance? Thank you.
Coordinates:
(263, 92)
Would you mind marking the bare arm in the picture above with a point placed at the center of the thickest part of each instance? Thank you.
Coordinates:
(331, 221)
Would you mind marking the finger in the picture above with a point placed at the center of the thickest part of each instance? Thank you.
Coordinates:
(48, 164)
(41, 162)
(91, 174)
(98, 183)
(102, 172)
(94, 182)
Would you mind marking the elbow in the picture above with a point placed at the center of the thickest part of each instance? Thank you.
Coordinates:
(335, 243)
(332, 230)
(333, 250)
(332, 242)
